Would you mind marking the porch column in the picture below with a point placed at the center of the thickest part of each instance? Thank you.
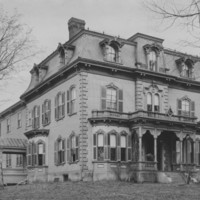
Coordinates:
(181, 154)
(155, 148)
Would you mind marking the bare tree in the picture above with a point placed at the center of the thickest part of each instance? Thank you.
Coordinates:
(185, 14)
(16, 43)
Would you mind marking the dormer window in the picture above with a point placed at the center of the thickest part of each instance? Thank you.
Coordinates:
(111, 50)
(152, 54)
(186, 67)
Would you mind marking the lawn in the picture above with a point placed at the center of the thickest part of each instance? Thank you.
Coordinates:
(101, 190)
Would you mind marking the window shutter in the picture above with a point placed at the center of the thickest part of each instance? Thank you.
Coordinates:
(95, 146)
(56, 152)
(56, 107)
(64, 150)
(118, 147)
(63, 104)
(68, 150)
(108, 143)
(103, 98)
(129, 147)
(120, 100)
(38, 118)
(27, 154)
(77, 148)
(36, 151)
(43, 115)
(44, 152)
(105, 146)
(33, 125)
(68, 103)
(179, 107)
(49, 112)
(192, 109)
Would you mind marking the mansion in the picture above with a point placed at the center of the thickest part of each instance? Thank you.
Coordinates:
(103, 107)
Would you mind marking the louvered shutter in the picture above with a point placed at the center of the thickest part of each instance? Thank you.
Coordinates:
(129, 147)
(44, 153)
(43, 115)
(118, 147)
(33, 121)
(77, 148)
(36, 151)
(64, 150)
(105, 146)
(192, 109)
(179, 107)
(38, 117)
(120, 100)
(95, 146)
(56, 152)
(49, 111)
(108, 143)
(103, 98)
(56, 107)
(68, 103)
(68, 150)
(63, 104)
(28, 154)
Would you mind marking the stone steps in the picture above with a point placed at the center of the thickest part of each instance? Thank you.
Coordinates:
(175, 177)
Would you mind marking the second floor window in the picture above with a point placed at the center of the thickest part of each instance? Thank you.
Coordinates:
(19, 120)
(46, 112)
(60, 106)
(36, 117)
(8, 125)
(153, 102)
(111, 99)
(186, 107)
(71, 101)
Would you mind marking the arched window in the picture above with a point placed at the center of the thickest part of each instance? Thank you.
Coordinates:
(100, 147)
(71, 100)
(152, 60)
(111, 54)
(185, 70)
(123, 147)
(113, 147)
(188, 151)
(156, 103)
(149, 102)
(185, 107)
(59, 151)
(60, 106)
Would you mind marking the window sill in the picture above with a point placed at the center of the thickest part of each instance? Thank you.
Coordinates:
(109, 161)
(60, 164)
(113, 62)
(46, 124)
(60, 118)
(71, 163)
(72, 114)
(37, 167)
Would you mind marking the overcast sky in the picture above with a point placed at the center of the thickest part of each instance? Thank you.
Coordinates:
(48, 20)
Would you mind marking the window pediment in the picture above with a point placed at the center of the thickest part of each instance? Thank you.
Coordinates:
(153, 88)
(157, 48)
(112, 42)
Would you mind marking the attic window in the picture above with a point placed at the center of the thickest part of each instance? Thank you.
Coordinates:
(152, 54)
(186, 67)
(111, 50)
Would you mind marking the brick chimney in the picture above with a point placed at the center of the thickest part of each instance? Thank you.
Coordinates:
(75, 25)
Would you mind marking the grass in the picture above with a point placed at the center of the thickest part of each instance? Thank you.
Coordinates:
(101, 191)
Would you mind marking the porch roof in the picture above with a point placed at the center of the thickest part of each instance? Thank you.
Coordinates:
(13, 144)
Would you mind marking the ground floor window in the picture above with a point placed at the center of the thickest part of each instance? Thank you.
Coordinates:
(123, 147)
(59, 151)
(19, 160)
(8, 160)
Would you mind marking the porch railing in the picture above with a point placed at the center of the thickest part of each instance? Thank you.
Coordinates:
(144, 165)
(142, 114)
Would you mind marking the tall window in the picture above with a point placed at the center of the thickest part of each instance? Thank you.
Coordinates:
(36, 117)
(113, 147)
(59, 151)
(19, 160)
(60, 106)
(188, 150)
(156, 103)
(149, 102)
(8, 125)
(112, 99)
(19, 120)
(46, 112)
(152, 61)
(123, 147)
(198, 152)
(8, 160)
(41, 154)
(185, 71)
(71, 100)
(111, 54)
(186, 107)
(100, 147)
